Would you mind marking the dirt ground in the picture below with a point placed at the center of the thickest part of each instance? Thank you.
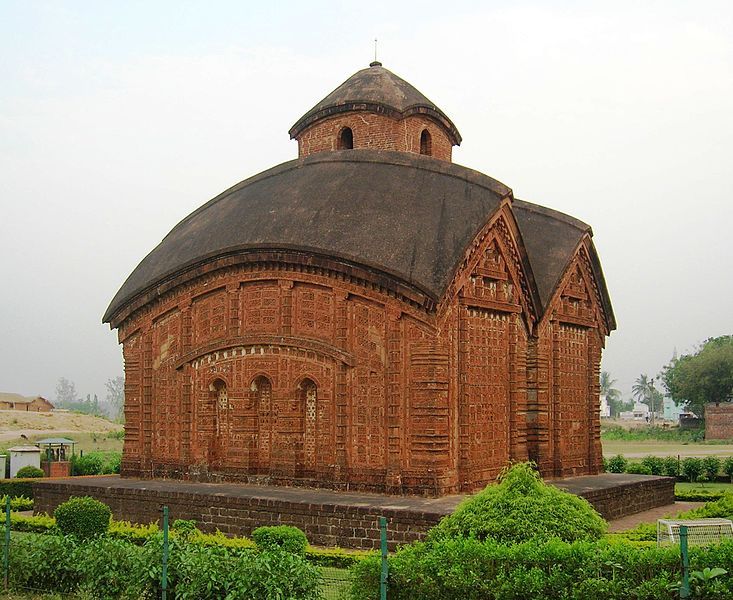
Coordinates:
(90, 433)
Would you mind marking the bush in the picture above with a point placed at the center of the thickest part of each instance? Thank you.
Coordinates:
(83, 517)
(17, 487)
(728, 467)
(42, 562)
(199, 572)
(88, 464)
(468, 569)
(638, 469)
(617, 464)
(110, 569)
(711, 467)
(692, 468)
(17, 503)
(29, 472)
(670, 466)
(520, 508)
(654, 464)
(281, 537)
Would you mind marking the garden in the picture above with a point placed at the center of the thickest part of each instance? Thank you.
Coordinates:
(518, 539)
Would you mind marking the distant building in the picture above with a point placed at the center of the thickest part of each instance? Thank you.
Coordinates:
(640, 412)
(10, 401)
(672, 412)
(605, 408)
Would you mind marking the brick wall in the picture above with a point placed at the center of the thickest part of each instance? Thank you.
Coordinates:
(719, 421)
(376, 132)
(327, 518)
(282, 374)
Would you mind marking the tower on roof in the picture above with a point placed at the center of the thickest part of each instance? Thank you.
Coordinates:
(376, 109)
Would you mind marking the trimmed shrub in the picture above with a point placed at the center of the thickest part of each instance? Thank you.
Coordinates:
(521, 508)
(617, 464)
(17, 487)
(281, 537)
(728, 467)
(83, 517)
(468, 569)
(654, 464)
(29, 472)
(670, 466)
(692, 468)
(711, 467)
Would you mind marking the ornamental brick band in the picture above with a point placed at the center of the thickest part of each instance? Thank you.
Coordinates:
(328, 518)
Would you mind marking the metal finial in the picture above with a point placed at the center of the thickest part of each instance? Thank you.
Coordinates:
(375, 62)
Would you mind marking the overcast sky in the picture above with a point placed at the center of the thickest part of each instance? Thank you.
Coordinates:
(118, 119)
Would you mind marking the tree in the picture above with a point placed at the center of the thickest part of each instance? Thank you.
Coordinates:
(65, 392)
(116, 395)
(644, 391)
(611, 394)
(702, 377)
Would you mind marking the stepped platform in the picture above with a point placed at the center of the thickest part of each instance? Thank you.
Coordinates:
(329, 518)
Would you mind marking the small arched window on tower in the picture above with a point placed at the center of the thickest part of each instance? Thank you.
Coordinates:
(426, 143)
(346, 139)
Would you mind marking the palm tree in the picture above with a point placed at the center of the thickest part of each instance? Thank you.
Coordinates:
(610, 393)
(644, 391)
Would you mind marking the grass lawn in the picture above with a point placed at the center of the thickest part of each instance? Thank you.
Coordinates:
(703, 487)
(640, 449)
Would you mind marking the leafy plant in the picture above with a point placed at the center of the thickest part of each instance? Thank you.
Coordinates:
(711, 467)
(83, 517)
(692, 468)
(638, 469)
(29, 471)
(654, 464)
(670, 466)
(280, 537)
(617, 464)
(184, 528)
(520, 508)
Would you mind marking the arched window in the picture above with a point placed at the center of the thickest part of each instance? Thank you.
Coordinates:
(426, 143)
(219, 387)
(308, 397)
(346, 139)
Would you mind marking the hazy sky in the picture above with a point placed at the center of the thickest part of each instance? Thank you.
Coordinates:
(118, 119)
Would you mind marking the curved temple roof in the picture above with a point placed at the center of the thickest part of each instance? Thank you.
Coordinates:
(379, 90)
(406, 215)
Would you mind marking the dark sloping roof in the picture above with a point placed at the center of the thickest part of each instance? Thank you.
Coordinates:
(550, 239)
(376, 89)
(408, 215)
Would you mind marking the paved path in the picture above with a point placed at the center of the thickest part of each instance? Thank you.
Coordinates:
(651, 516)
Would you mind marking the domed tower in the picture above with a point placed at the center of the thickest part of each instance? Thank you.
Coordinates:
(368, 316)
(377, 110)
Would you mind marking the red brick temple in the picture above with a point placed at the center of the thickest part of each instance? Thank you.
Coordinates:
(369, 316)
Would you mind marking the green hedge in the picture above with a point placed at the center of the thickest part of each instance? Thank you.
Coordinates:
(139, 534)
(469, 569)
(16, 488)
(106, 568)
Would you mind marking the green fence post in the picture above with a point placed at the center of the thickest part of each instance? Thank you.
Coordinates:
(685, 587)
(6, 549)
(164, 577)
(385, 564)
